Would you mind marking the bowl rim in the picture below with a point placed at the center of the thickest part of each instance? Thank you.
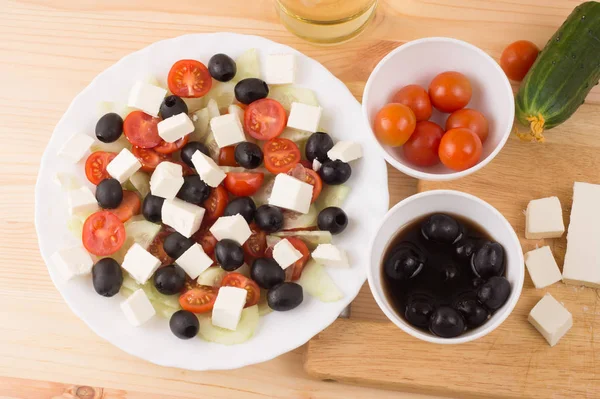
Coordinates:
(435, 176)
(404, 326)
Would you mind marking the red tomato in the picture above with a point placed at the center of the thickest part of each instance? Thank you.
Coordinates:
(460, 149)
(517, 59)
(227, 156)
(169, 148)
(306, 163)
(198, 299)
(149, 158)
(281, 155)
(296, 268)
(309, 176)
(255, 246)
(130, 206)
(141, 129)
(450, 91)
(156, 247)
(265, 119)
(422, 147)
(206, 240)
(95, 166)
(394, 123)
(189, 79)
(103, 233)
(186, 170)
(241, 281)
(243, 184)
(416, 98)
(470, 119)
(216, 203)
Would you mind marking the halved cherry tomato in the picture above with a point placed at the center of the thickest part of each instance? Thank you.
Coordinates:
(103, 233)
(95, 166)
(189, 79)
(169, 148)
(141, 129)
(199, 299)
(306, 163)
(187, 171)
(394, 123)
(416, 98)
(422, 147)
(517, 59)
(470, 119)
(296, 268)
(460, 149)
(265, 119)
(450, 91)
(130, 206)
(216, 203)
(309, 176)
(149, 158)
(281, 155)
(156, 247)
(206, 240)
(241, 281)
(243, 184)
(255, 245)
(227, 156)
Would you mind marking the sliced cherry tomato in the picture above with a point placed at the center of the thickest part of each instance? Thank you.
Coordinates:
(306, 163)
(199, 299)
(141, 129)
(265, 119)
(103, 233)
(460, 149)
(169, 148)
(189, 79)
(149, 158)
(416, 98)
(296, 268)
(227, 156)
(281, 155)
(394, 123)
(422, 147)
(241, 281)
(215, 204)
(187, 171)
(130, 206)
(450, 91)
(470, 119)
(156, 247)
(309, 176)
(206, 240)
(255, 245)
(243, 184)
(95, 166)
(517, 59)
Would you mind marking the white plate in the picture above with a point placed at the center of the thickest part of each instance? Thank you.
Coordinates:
(278, 332)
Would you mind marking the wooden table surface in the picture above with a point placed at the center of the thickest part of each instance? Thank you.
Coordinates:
(50, 50)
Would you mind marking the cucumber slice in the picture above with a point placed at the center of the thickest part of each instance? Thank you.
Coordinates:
(75, 225)
(287, 94)
(213, 109)
(213, 147)
(194, 104)
(105, 107)
(244, 270)
(66, 181)
(295, 220)
(212, 276)
(297, 136)
(201, 120)
(141, 183)
(140, 231)
(115, 147)
(247, 65)
(332, 196)
(272, 240)
(126, 292)
(129, 283)
(239, 169)
(310, 238)
(245, 329)
(222, 93)
(317, 283)
(170, 301)
(237, 111)
(264, 192)
(263, 306)
(163, 310)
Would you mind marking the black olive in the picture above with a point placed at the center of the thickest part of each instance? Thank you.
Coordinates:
(194, 190)
(335, 172)
(332, 219)
(242, 205)
(109, 193)
(152, 208)
(109, 128)
(248, 155)
(176, 244)
(488, 261)
(466, 247)
(449, 272)
(184, 324)
(251, 89)
(447, 322)
(418, 311)
(169, 280)
(190, 149)
(472, 311)
(269, 218)
(267, 273)
(171, 106)
(442, 228)
(477, 282)
(405, 261)
(222, 67)
(317, 146)
(494, 293)
(229, 254)
(285, 296)
(107, 277)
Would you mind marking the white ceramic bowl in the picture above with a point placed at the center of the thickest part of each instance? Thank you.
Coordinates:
(469, 207)
(418, 62)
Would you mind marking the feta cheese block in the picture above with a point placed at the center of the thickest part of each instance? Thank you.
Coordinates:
(345, 151)
(542, 267)
(544, 219)
(231, 227)
(175, 127)
(184, 217)
(551, 319)
(304, 117)
(316, 165)
(330, 255)
(167, 179)
(137, 308)
(72, 262)
(81, 201)
(291, 193)
(228, 307)
(209, 171)
(280, 69)
(582, 260)
(139, 263)
(194, 261)
(227, 130)
(146, 97)
(123, 166)
(285, 254)
(76, 147)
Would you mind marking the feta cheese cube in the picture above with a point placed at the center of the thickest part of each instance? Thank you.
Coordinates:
(140, 264)
(123, 166)
(551, 319)
(146, 97)
(184, 217)
(330, 255)
(285, 254)
(291, 193)
(345, 151)
(280, 69)
(72, 262)
(137, 308)
(175, 127)
(228, 307)
(167, 179)
(544, 219)
(227, 130)
(316, 165)
(76, 147)
(304, 117)
(81, 201)
(231, 227)
(542, 267)
(194, 261)
(208, 170)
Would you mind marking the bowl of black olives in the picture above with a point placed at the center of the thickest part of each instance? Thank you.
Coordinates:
(446, 267)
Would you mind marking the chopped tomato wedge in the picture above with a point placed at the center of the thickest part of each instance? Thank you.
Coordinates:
(149, 158)
(227, 156)
(215, 204)
(199, 299)
(169, 148)
(309, 176)
(129, 207)
(243, 184)
(103, 233)
(156, 247)
(95, 166)
(241, 281)
(255, 245)
(141, 129)
(189, 78)
(281, 155)
(265, 119)
(206, 240)
(296, 268)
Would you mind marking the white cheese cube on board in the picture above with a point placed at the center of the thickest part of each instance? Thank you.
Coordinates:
(76, 147)
(330, 255)
(139, 263)
(175, 127)
(227, 130)
(285, 254)
(194, 261)
(209, 171)
(167, 179)
(81, 201)
(72, 262)
(184, 217)
(544, 219)
(291, 193)
(228, 307)
(304, 117)
(146, 97)
(280, 69)
(231, 227)
(551, 319)
(123, 166)
(137, 308)
(542, 267)
(345, 151)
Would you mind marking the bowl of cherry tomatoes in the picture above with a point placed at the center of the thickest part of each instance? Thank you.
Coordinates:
(439, 108)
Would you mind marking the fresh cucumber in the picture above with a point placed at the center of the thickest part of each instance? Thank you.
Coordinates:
(287, 94)
(141, 183)
(263, 306)
(310, 238)
(105, 107)
(272, 240)
(115, 147)
(245, 329)
(213, 109)
(247, 65)
(160, 308)
(332, 196)
(126, 292)
(261, 197)
(237, 111)
(195, 104)
(75, 225)
(211, 276)
(170, 301)
(140, 231)
(213, 147)
(201, 120)
(295, 220)
(222, 94)
(66, 181)
(317, 283)
(297, 136)
(244, 270)
(129, 283)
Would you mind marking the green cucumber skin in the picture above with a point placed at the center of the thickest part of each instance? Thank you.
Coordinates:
(565, 71)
